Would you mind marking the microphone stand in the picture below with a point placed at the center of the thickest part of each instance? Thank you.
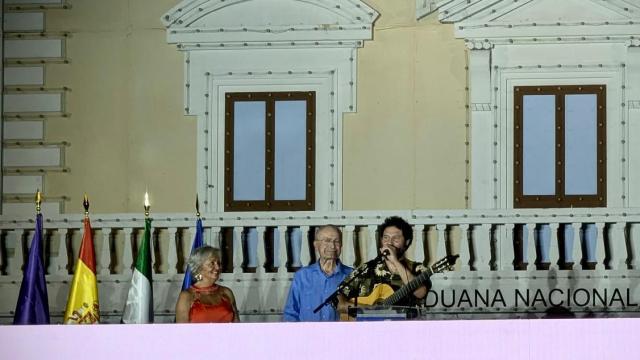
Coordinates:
(333, 298)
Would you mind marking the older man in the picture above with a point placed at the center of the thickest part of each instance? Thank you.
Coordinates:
(314, 283)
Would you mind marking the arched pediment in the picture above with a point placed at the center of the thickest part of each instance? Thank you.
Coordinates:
(250, 21)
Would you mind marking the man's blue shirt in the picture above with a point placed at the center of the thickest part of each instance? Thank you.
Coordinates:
(310, 287)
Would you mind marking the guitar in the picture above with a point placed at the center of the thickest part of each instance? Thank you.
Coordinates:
(383, 294)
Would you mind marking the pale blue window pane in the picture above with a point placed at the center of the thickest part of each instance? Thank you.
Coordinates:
(539, 142)
(290, 150)
(249, 150)
(581, 140)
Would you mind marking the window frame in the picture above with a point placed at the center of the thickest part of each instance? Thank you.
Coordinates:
(560, 199)
(270, 204)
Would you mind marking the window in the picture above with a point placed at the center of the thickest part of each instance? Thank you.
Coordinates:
(560, 146)
(269, 151)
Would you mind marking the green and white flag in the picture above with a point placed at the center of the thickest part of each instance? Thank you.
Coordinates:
(139, 306)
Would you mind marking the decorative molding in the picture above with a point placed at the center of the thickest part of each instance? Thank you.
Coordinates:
(426, 7)
(481, 107)
(265, 23)
(634, 104)
(493, 10)
(28, 156)
(38, 35)
(537, 20)
(479, 45)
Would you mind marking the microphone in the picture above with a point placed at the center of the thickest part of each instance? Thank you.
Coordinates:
(383, 255)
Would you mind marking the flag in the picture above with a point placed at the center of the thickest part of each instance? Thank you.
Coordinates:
(139, 306)
(82, 305)
(197, 242)
(33, 302)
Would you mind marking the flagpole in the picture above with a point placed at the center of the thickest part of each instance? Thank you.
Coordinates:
(198, 241)
(32, 306)
(83, 305)
(139, 306)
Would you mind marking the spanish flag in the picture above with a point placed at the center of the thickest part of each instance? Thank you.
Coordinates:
(83, 306)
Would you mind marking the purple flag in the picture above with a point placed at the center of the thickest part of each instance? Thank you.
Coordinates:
(33, 304)
(197, 242)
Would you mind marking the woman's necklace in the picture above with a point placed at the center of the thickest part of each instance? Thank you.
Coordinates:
(205, 289)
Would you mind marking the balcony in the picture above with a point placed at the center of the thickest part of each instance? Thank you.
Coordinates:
(580, 260)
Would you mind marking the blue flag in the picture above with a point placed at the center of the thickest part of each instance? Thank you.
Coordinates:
(197, 242)
(33, 303)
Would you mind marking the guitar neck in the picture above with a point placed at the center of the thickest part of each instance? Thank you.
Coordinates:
(409, 288)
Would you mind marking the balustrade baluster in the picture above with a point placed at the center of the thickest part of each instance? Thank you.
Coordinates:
(294, 246)
(127, 252)
(441, 243)
(348, 245)
(193, 231)
(372, 242)
(237, 250)
(105, 253)
(576, 247)
(617, 246)
(418, 247)
(531, 254)
(554, 245)
(484, 257)
(481, 246)
(215, 237)
(172, 253)
(305, 251)
(15, 265)
(465, 256)
(62, 260)
(506, 255)
(600, 248)
(206, 235)
(260, 252)
(154, 241)
(282, 256)
(3, 252)
(634, 246)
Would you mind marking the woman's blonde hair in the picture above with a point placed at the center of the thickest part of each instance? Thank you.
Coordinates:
(199, 256)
